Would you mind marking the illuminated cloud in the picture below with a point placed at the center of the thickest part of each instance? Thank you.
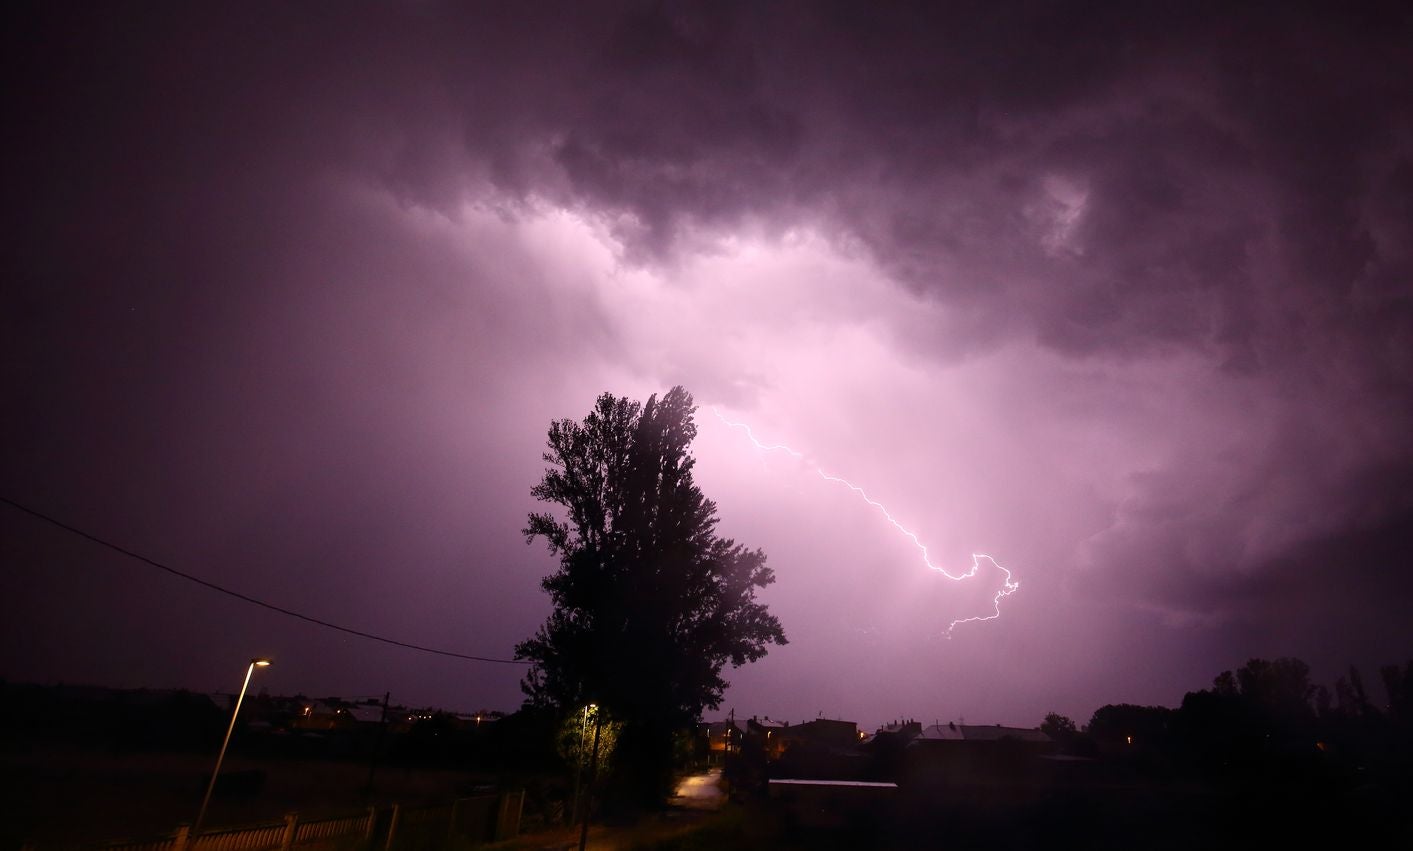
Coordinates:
(1120, 299)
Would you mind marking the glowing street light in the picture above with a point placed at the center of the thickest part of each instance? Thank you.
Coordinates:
(257, 662)
(579, 763)
(593, 775)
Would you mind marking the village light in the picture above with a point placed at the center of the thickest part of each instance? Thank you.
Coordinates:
(257, 662)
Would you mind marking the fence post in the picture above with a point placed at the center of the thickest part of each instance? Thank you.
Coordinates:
(180, 837)
(509, 805)
(372, 821)
(291, 827)
(451, 822)
(392, 829)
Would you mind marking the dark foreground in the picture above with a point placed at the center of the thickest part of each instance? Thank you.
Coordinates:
(1160, 818)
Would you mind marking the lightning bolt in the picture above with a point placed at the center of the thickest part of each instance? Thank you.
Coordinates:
(1009, 586)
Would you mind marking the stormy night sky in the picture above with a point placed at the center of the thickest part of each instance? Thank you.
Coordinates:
(1121, 296)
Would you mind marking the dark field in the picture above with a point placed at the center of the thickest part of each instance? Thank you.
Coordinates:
(63, 795)
(60, 796)
(1170, 818)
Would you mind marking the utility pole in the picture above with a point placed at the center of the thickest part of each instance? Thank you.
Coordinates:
(378, 745)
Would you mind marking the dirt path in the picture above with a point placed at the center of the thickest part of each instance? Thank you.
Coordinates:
(697, 798)
(700, 791)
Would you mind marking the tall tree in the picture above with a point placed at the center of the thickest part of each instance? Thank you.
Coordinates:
(649, 604)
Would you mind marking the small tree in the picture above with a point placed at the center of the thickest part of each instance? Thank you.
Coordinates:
(649, 604)
(1124, 727)
(1060, 728)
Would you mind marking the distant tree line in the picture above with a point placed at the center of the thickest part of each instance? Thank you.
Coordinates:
(1264, 719)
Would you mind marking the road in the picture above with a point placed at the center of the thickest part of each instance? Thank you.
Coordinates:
(700, 791)
(695, 798)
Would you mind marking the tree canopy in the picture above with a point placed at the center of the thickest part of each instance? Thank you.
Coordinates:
(649, 603)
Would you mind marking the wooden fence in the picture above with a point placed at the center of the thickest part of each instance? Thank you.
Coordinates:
(480, 818)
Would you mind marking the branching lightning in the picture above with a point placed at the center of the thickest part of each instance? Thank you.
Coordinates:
(1009, 586)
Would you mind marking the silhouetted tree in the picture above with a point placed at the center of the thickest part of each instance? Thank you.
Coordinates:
(649, 604)
(1351, 699)
(1211, 728)
(1057, 726)
(1399, 684)
(1324, 702)
(1279, 688)
(1060, 728)
(1250, 717)
(1127, 726)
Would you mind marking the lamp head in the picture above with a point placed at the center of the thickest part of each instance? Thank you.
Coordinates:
(260, 662)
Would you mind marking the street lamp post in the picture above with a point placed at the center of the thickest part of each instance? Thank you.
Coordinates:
(579, 763)
(593, 775)
(210, 787)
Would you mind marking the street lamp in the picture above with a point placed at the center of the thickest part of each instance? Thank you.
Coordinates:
(257, 662)
(593, 775)
(579, 763)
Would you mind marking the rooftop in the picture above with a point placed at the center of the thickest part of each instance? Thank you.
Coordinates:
(980, 733)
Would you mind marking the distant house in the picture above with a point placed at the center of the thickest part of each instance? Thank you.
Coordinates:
(822, 749)
(826, 731)
(473, 721)
(365, 714)
(779, 736)
(952, 732)
(323, 715)
(900, 726)
(887, 746)
(163, 718)
(716, 739)
(976, 754)
(768, 735)
(897, 733)
(129, 718)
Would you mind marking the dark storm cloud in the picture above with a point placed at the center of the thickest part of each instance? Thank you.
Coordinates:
(1194, 144)
(1198, 144)
(1119, 181)
(1210, 163)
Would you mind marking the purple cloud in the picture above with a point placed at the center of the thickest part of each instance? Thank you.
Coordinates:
(1119, 297)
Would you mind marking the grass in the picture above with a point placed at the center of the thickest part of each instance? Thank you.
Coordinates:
(60, 796)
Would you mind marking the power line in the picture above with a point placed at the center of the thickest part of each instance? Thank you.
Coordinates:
(245, 597)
